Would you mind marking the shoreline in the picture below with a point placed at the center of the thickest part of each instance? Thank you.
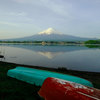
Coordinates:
(93, 77)
(59, 69)
(42, 44)
(54, 44)
(13, 89)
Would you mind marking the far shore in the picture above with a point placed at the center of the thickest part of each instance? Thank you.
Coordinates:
(46, 43)
(49, 44)
(52, 42)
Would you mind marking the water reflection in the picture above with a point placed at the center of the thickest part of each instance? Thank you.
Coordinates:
(93, 46)
(70, 57)
(50, 51)
(51, 48)
(50, 55)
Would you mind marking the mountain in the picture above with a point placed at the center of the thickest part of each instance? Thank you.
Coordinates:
(51, 35)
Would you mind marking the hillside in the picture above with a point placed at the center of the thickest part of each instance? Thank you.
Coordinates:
(50, 35)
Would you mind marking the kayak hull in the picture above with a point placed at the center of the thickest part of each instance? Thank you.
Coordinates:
(57, 89)
(37, 76)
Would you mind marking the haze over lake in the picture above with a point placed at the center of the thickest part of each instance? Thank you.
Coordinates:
(71, 57)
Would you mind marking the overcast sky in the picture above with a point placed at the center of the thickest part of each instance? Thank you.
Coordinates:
(19, 18)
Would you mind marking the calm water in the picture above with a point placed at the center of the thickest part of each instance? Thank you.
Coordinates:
(72, 57)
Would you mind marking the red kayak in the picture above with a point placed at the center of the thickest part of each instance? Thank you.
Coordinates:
(58, 89)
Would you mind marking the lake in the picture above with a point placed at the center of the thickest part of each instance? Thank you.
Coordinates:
(75, 57)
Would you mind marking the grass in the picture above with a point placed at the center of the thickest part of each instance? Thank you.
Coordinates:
(13, 89)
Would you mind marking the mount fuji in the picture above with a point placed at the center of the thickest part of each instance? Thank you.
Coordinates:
(51, 35)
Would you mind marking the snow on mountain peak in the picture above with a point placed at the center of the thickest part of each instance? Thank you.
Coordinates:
(49, 31)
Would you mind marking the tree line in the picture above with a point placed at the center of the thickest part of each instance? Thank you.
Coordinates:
(92, 42)
(40, 42)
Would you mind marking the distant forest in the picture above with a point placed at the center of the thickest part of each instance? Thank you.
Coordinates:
(92, 42)
(44, 42)
(55, 42)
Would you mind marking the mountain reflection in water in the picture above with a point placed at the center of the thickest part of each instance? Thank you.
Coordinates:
(70, 57)
(50, 55)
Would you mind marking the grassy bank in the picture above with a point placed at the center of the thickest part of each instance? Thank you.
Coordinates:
(12, 89)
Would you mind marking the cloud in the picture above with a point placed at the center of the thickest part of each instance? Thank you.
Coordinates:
(21, 1)
(55, 6)
(9, 18)
(17, 14)
(8, 23)
(27, 1)
(13, 14)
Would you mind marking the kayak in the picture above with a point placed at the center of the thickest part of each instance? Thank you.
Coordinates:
(58, 89)
(37, 76)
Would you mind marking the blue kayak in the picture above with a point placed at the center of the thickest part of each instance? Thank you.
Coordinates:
(37, 76)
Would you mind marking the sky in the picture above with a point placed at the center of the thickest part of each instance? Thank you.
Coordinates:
(20, 18)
